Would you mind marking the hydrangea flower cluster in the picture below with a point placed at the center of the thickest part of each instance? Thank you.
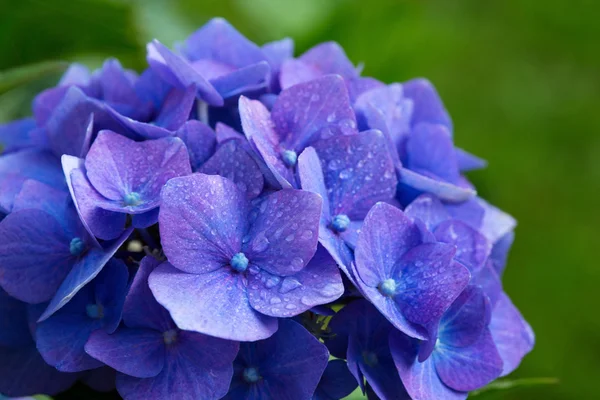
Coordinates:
(236, 223)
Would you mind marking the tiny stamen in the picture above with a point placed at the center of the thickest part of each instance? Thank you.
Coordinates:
(132, 199)
(251, 375)
(239, 262)
(388, 287)
(77, 246)
(289, 158)
(340, 223)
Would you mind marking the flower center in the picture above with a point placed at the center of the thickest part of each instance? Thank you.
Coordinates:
(251, 375)
(77, 246)
(132, 199)
(370, 358)
(289, 158)
(340, 223)
(95, 311)
(239, 262)
(170, 336)
(388, 287)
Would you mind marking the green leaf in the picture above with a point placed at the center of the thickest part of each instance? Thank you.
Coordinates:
(508, 384)
(11, 78)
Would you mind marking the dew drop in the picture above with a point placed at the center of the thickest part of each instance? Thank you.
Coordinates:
(289, 284)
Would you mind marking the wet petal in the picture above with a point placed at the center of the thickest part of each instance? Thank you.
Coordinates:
(199, 140)
(472, 248)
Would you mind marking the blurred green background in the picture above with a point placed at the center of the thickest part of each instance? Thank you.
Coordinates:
(521, 79)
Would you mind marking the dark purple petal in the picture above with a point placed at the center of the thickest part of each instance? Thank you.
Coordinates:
(489, 281)
(260, 131)
(468, 368)
(358, 172)
(219, 41)
(197, 367)
(387, 234)
(34, 255)
(318, 283)
(141, 310)
(283, 233)
(318, 109)
(117, 167)
(429, 209)
(14, 330)
(337, 382)
(420, 378)
(465, 320)
(179, 73)
(136, 352)
(100, 379)
(427, 105)
(444, 190)
(203, 219)
(117, 88)
(16, 168)
(233, 160)
(24, 372)
(472, 248)
(225, 132)
(512, 335)
(61, 341)
(83, 271)
(145, 220)
(15, 135)
(151, 87)
(221, 306)
(200, 141)
(429, 281)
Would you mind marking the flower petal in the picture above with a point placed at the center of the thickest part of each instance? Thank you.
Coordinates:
(472, 248)
(428, 106)
(221, 306)
(203, 219)
(200, 141)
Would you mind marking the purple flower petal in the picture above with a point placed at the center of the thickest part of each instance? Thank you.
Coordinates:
(283, 234)
(197, 367)
(200, 141)
(260, 131)
(117, 167)
(100, 379)
(420, 378)
(24, 372)
(336, 383)
(34, 255)
(429, 282)
(444, 190)
(82, 272)
(464, 322)
(512, 335)
(312, 110)
(233, 160)
(318, 283)
(14, 330)
(246, 79)
(472, 248)
(276, 53)
(387, 234)
(358, 172)
(469, 368)
(16, 168)
(179, 73)
(500, 251)
(429, 148)
(141, 310)
(198, 237)
(15, 135)
(428, 106)
(225, 132)
(467, 161)
(429, 210)
(221, 306)
(489, 281)
(136, 352)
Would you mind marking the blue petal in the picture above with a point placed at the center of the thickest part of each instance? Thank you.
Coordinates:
(15, 135)
(428, 106)
(200, 141)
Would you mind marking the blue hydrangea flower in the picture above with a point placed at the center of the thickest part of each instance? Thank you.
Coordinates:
(345, 172)
(120, 177)
(462, 358)
(411, 279)
(288, 365)
(46, 252)
(61, 337)
(301, 115)
(228, 255)
(157, 360)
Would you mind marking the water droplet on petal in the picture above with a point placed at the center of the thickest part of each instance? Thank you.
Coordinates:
(275, 300)
(289, 284)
